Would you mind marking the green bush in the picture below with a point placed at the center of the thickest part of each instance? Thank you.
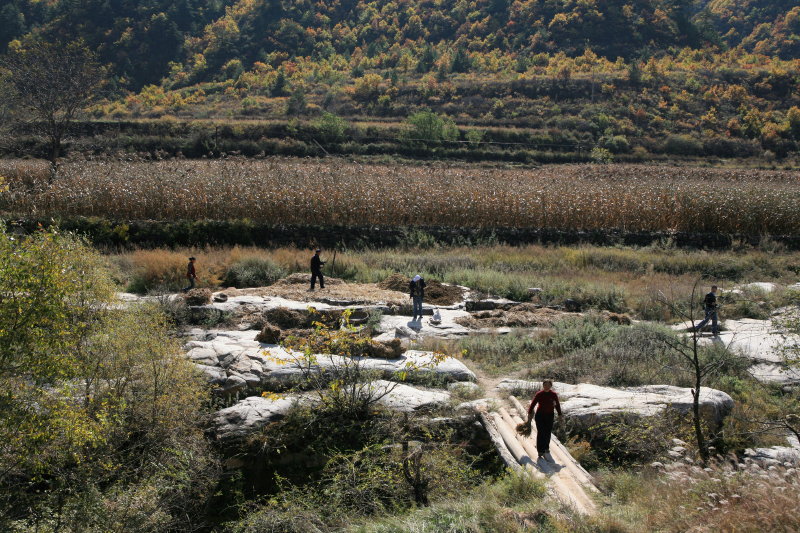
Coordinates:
(642, 354)
(330, 127)
(578, 333)
(428, 126)
(682, 145)
(373, 466)
(253, 272)
(496, 353)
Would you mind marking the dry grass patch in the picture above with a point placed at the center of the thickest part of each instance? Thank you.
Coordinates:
(724, 498)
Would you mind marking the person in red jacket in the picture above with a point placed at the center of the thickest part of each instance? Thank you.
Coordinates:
(547, 400)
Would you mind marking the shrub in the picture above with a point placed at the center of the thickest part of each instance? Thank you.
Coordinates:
(577, 333)
(156, 269)
(253, 272)
(428, 126)
(635, 440)
(122, 451)
(602, 155)
(330, 127)
(682, 145)
(497, 353)
(617, 144)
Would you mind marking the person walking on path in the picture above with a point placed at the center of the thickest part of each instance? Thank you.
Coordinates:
(417, 292)
(547, 400)
(710, 306)
(316, 270)
(191, 274)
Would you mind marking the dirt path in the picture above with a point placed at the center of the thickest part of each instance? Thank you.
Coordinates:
(489, 383)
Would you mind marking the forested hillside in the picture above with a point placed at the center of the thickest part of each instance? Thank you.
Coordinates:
(671, 77)
(213, 39)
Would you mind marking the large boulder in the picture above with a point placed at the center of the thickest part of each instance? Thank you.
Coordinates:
(588, 404)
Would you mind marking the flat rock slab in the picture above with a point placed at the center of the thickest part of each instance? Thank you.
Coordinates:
(253, 413)
(250, 415)
(589, 403)
(765, 287)
(402, 327)
(759, 340)
(234, 361)
(265, 303)
(763, 342)
(778, 374)
(775, 455)
(405, 398)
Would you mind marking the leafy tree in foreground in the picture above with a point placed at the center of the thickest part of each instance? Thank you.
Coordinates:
(53, 82)
(98, 414)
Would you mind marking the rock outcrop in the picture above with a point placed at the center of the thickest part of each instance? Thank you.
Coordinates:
(251, 414)
(236, 361)
(587, 404)
(405, 398)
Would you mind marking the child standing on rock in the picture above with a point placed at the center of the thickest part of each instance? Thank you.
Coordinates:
(548, 403)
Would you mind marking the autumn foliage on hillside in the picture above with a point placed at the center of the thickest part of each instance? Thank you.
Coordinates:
(675, 77)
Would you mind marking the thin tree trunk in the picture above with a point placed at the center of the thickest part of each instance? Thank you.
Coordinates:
(55, 145)
(698, 429)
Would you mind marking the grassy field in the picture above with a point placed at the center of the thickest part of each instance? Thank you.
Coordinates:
(336, 191)
(630, 280)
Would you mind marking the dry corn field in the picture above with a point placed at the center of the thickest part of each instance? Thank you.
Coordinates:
(333, 191)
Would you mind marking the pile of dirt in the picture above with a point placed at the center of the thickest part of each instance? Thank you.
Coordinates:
(618, 318)
(286, 318)
(436, 292)
(385, 349)
(302, 339)
(269, 334)
(198, 297)
(395, 282)
(519, 316)
(527, 315)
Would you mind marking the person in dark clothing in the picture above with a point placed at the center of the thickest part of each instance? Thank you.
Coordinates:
(710, 306)
(316, 270)
(547, 400)
(191, 274)
(417, 292)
